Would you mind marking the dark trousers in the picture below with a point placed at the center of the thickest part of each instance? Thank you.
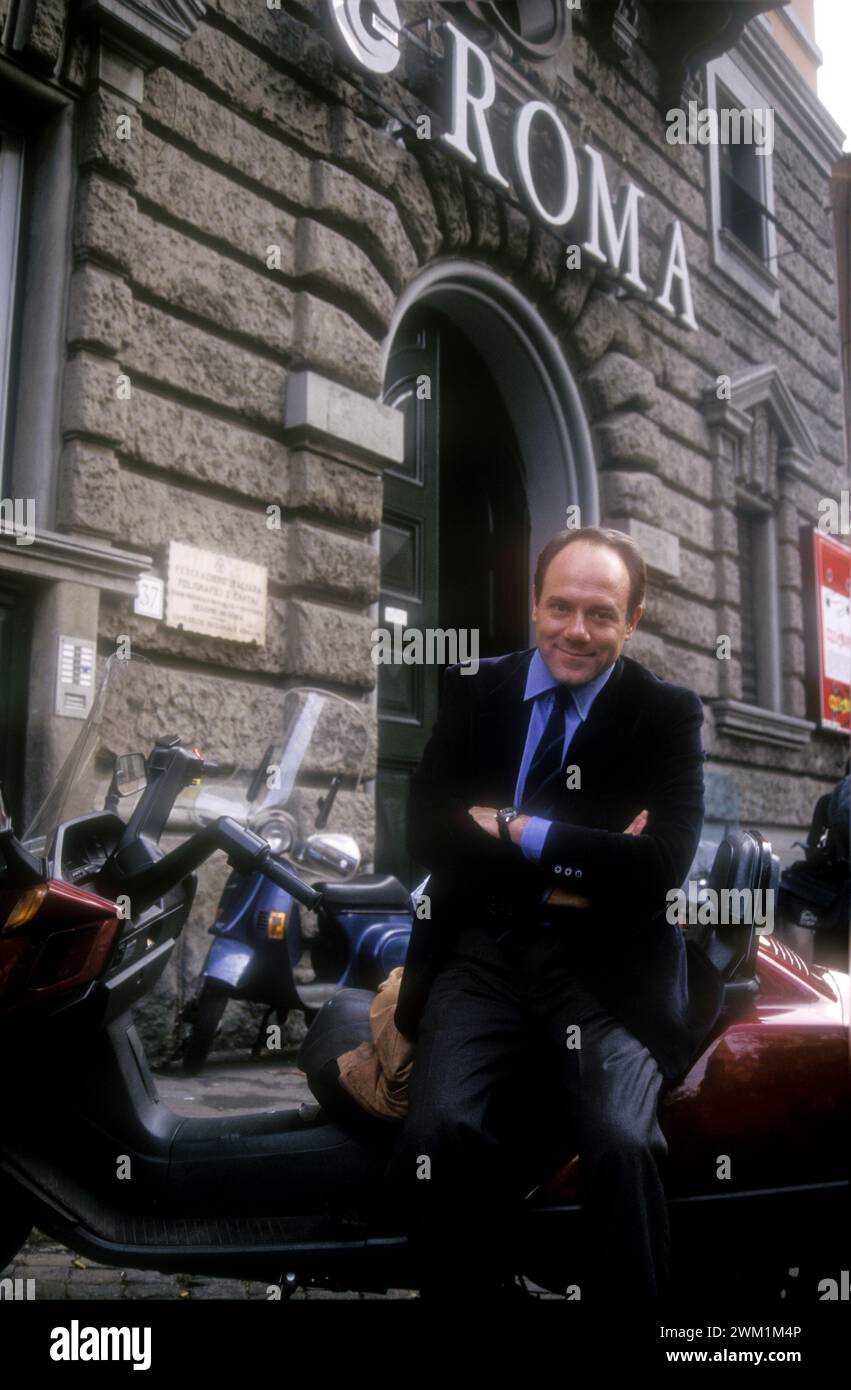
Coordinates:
(493, 1062)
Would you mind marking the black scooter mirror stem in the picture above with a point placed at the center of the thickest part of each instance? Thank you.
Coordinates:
(170, 769)
(326, 802)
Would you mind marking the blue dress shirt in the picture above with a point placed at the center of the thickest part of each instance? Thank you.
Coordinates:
(540, 683)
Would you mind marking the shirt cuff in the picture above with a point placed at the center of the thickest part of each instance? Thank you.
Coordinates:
(532, 837)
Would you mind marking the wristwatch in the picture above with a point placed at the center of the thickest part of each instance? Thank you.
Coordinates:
(503, 820)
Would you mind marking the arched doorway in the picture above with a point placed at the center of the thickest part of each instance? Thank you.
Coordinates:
(496, 448)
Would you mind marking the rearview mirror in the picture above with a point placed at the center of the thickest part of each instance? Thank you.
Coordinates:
(338, 853)
(131, 773)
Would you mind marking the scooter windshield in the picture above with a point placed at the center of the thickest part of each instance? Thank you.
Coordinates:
(251, 774)
(321, 737)
(115, 724)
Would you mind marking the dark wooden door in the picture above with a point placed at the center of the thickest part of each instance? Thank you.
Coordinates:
(454, 544)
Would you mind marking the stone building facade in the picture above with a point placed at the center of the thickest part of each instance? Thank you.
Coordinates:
(227, 235)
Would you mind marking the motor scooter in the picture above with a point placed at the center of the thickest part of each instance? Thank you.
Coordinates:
(362, 924)
(90, 911)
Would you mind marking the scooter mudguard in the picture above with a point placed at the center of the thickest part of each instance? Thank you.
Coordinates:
(228, 960)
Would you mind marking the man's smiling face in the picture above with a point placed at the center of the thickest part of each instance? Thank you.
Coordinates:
(580, 616)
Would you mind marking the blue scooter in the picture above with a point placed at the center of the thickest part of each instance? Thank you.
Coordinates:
(362, 925)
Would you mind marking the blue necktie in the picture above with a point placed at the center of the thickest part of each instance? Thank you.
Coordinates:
(542, 779)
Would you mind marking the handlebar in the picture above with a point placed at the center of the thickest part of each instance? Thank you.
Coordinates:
(290, 882)
(246, 852)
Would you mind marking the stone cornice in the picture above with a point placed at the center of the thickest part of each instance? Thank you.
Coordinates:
(147, 30)
(739, 720)
(53, 555)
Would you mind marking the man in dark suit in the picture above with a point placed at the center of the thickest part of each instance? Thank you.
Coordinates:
(558, 801)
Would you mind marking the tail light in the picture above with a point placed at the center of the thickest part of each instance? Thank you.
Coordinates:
(53, 938)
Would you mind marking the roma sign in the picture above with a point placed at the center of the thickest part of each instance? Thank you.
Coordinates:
(369, 35)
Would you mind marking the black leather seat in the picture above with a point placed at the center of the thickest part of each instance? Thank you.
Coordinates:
(743, 862)
(366, 891)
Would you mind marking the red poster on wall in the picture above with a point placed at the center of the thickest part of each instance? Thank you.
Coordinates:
(833, 607)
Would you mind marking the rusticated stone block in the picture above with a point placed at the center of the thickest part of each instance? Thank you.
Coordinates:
(686, 667)
(151, 513)
(329, 341)
(446, 186)
(358, 146)
(680, 419)
(104, 117)
(373, 218)
(483, 211)
(627, 438)
(410, 192)
(686, 468)
(320, 559)
(633, 340)
(100, 310)
(616, 382)
(284, 37)
(44, 41)
(792, 611)
(571, 292)
(87, 489)
(231, 721)
(593, 330)
(105, 221)
(516, 233)
(231, 139)
(190, 360)
(210, 285)
(647, 648)
(251, 85)
(351, 495)
(631, 494)
(339, 265)
(194, 193)
(90, 404)
(176, 438)
(685, 620)
(546, 255)
(325, 644)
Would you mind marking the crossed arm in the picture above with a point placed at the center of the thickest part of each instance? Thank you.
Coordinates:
(448, 827)
(485, 817)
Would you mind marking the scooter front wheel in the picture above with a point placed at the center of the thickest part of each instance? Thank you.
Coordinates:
(208, 1015)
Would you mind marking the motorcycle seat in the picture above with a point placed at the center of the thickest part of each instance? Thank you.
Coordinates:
(743, 862)
(366, 891)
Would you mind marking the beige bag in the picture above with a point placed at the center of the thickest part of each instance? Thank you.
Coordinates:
(376, 1073)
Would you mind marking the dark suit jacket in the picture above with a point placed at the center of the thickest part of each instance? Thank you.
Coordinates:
(641, 746)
